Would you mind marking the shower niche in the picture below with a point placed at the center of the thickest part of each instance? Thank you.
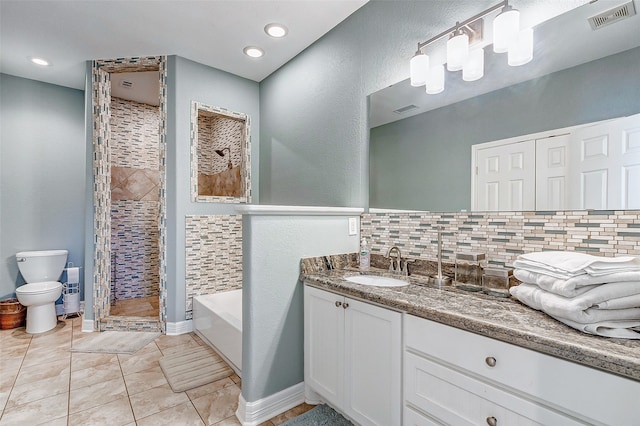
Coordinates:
(220, 160)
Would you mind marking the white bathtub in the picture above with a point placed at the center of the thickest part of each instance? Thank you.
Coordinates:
(217, 319)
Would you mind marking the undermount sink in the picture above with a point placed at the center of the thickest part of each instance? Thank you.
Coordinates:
(377, 281)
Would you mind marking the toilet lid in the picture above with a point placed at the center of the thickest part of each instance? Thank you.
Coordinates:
(36, 288)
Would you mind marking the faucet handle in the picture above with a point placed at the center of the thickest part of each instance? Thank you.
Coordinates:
(405, 270)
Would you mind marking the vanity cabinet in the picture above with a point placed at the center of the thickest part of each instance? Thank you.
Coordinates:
(453, 376)
(352, 357)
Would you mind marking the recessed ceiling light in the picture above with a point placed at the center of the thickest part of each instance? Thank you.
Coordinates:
(40, 61)
(276, 30)
(254, 52)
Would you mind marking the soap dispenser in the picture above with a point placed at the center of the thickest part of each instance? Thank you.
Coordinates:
(365, 256)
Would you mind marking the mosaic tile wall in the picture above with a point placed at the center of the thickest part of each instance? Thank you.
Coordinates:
(502, 236)
(242, 156)
(218, 132)
(213, 255)
(135, 178)
(135, 256)
(102, 195)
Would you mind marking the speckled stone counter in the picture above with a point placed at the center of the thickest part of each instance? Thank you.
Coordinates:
(502, 319)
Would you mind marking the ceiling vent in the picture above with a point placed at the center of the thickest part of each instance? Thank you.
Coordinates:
(125, 84)
(405, 109)
(612, 16)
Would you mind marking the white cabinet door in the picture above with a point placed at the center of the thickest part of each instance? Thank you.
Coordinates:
(353, 355)
(552, 173)
(605, 164)
(373, 352)
(506, 177)
(324, 344)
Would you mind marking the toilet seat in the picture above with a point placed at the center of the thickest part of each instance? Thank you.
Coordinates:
(38, 288)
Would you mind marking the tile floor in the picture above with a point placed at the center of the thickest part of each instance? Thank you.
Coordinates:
(105, 389)
(140, 307)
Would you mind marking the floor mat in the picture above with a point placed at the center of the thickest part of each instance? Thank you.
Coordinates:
(192, 368)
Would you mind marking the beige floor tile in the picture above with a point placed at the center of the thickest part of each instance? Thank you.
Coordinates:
(96, 394)
(9, 372)
(165, 341)
(43, 356)
(290, 414)
(144, 380)
(144, 359)
(38, 390)
(12, 350)
(209, 388)
(114, 413)
(155, 400)
(60, 421)
(183, 415)
(236, 379)
(188, 345)
(219, 405)
(36, 412)
(4, 397)
(82, 360)
(38, 372)
(233, 421)
(93, 375)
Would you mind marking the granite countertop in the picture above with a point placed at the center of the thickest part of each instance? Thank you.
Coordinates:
(503, 319)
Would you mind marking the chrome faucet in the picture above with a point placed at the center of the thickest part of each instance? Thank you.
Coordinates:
(393, 268)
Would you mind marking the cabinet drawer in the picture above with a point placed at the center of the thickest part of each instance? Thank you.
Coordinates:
(583, 392)
(455, 398)
(414, 418)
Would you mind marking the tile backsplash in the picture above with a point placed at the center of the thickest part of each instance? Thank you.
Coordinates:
(502, 236)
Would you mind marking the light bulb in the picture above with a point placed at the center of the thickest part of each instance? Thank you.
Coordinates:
(276, 30)
(419, 69)
(474, 67)
(505, 28)
(435, 81)
(521, 49)
(457, 51)
(254, 52)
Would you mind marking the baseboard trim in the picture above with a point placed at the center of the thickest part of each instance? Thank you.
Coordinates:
(180, 327)
(255, 413)
(87, 325)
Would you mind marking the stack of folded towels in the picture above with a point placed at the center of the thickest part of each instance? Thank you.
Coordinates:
(597, 295)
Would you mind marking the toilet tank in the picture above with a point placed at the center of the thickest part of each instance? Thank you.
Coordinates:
(45, 265)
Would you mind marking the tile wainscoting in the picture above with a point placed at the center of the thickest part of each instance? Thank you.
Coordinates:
(502, 236)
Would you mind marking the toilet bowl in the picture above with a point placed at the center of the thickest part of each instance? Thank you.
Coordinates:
(40, 269)
(39, 298)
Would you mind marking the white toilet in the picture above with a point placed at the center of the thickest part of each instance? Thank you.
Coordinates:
(41, 271)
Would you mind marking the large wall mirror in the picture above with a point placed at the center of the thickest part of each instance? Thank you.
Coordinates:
(421, 145)
(220, 161)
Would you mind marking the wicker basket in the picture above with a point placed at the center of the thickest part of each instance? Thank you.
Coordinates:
(12, 314)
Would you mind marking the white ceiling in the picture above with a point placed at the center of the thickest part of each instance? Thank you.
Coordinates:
(563, 39)
(211, 32)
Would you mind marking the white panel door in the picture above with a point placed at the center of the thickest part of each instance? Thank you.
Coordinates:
(373, 372)
(324, 344)
(506, 177)
(552, 172)
(605, 165)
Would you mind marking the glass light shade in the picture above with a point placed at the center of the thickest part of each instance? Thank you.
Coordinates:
(435, 82)
(521, 50)
(419, 69)
(457, 51)
(252, 51)
(474, 67)
(505, 28)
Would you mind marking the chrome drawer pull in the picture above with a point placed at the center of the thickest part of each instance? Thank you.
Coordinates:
(492, 421)
(491, 362)
(338, 304)
(345, 305)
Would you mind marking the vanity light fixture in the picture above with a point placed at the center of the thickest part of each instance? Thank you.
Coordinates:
(462, 55)
(39, 61)
(252, 51)
(276, 30)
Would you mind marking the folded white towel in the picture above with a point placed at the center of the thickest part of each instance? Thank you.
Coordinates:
(582, 308)
(567, 264)
(573, 286)
(617, 329)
